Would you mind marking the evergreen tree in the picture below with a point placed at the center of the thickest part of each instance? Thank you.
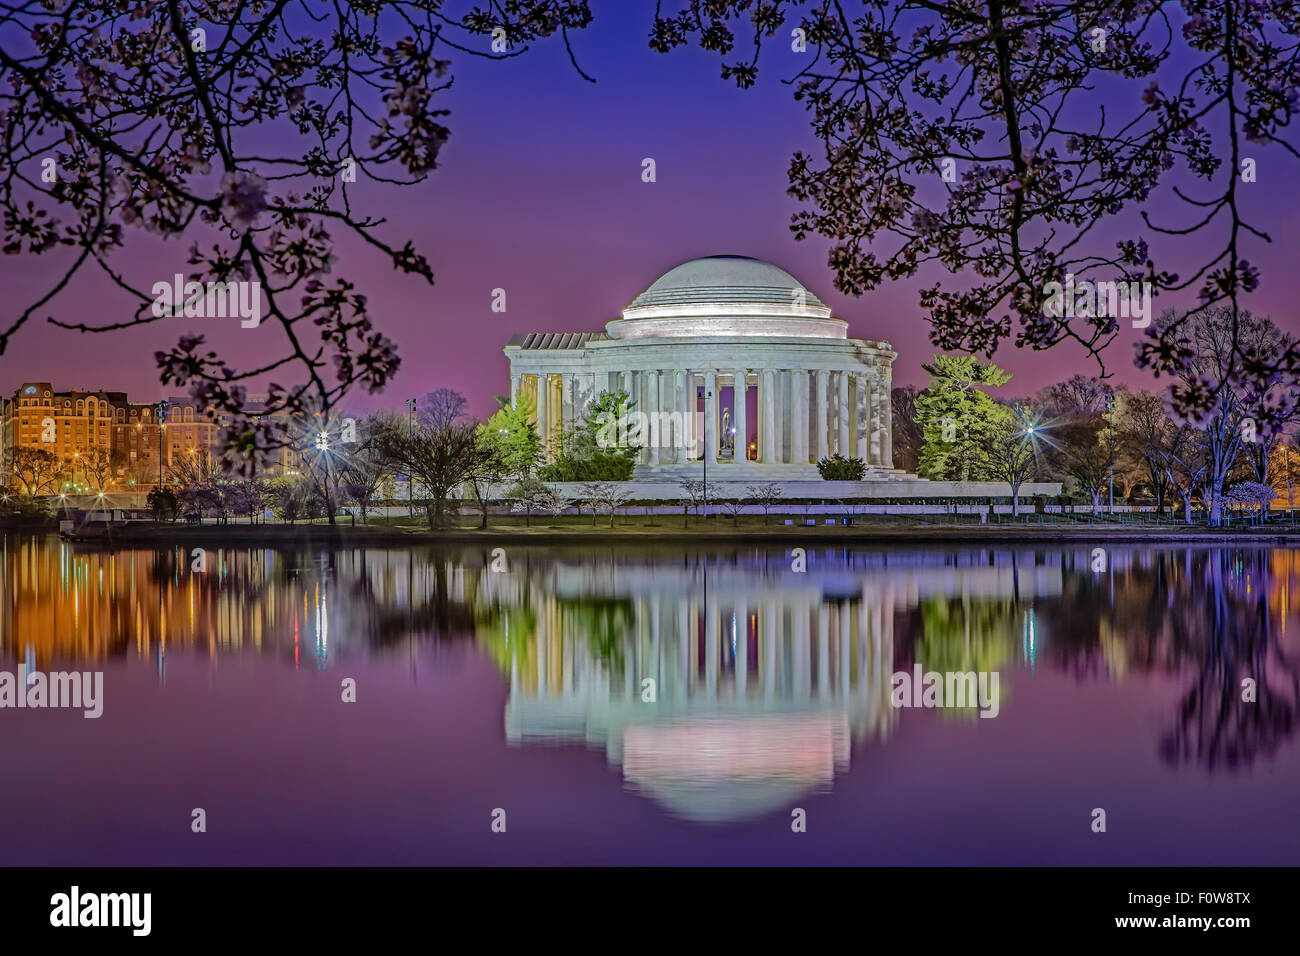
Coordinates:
(601, 447)
(958, 418)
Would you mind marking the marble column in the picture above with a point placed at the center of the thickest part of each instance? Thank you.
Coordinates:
(820, 449)
(886, 418)
(872, 431)
(653, 438)
(739, 416)
(711, 415)
(877, 433)
(780, 434)
(799, 416)
(843, 415)
(567, 406)
(767, 403)
(543, 419)
(861, 419)
(669, 439)
(514, 389)
(686, 408)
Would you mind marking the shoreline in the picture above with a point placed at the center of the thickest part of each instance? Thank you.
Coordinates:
(379, 535)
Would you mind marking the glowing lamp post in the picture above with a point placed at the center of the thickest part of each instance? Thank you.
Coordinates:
(410, 478)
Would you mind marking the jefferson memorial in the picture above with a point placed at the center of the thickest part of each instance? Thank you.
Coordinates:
(729, 360)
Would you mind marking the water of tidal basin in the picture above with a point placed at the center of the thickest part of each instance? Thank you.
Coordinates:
(521, 689)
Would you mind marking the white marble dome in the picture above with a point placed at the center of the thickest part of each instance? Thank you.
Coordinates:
(727, 296)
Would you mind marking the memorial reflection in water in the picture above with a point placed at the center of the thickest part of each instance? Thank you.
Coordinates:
(722, 684)
(725, 688)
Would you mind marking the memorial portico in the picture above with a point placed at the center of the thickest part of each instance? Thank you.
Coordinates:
(726, 358)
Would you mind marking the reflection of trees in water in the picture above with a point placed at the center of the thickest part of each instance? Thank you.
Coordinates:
(1212, 617)
(1222, 611)
(502, 630)
(1200, 611)
(962, 634)
(606, 623)
(432, 606)
(1083, 618)
(505, 630)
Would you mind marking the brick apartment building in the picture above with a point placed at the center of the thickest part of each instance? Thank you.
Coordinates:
(105, 441)
(102, 439)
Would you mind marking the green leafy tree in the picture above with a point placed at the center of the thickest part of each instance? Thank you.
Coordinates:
(958, 417)
(512, 437)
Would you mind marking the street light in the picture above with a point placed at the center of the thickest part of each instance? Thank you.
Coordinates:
(162, 410)
(708, 413)
(410, 478)
(1110, 410)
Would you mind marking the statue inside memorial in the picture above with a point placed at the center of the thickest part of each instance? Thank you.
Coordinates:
(728, 444)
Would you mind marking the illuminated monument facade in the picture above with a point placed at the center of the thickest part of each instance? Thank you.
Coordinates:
(726, 357)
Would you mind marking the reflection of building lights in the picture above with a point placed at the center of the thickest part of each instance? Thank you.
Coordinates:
(1031, 642)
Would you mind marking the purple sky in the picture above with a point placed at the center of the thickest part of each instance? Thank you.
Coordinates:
(540, 193)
